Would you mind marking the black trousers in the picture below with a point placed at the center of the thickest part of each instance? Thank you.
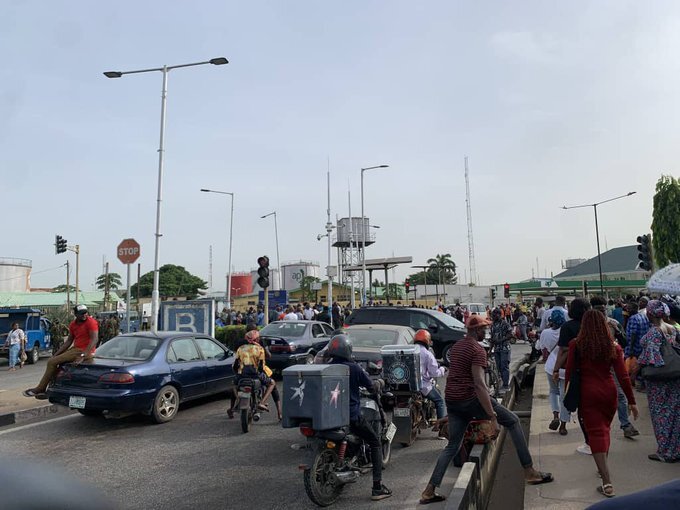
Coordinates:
(364, 430)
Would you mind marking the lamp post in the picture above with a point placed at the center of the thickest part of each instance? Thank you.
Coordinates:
(231, 232)
(159, 196)
(276, 233)
(597, 230)
(363, 234)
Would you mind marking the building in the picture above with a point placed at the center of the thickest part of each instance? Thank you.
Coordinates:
(617, 264)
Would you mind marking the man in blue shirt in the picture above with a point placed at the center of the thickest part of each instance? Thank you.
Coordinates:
(340, 351)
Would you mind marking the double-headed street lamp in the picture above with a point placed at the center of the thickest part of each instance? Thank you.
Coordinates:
(165, 69)
(597, 230)
(363, 234)
(231, 232)
(276, 232)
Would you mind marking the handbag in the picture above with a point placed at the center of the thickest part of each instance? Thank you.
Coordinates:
(632, 367)
(572, 395)
(671, 368)
(23, 357)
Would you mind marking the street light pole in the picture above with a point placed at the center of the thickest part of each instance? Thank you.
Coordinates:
(231, 233)
(155, 294)
(597, 229)
(276, 233)
(363, 234)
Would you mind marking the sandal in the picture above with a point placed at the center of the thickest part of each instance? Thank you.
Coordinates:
(658, 458)
(263, 407)
(230, 413)
(606, 490)
(554, 424)
(563, 432)
(545, 478)
(437, 498)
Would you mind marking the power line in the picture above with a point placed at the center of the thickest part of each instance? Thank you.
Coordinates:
(32, 273)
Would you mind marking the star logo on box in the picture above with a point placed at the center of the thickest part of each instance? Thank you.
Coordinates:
(299, 392)
(335, 394)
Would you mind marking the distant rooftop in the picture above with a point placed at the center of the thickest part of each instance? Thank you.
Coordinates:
(617, 260)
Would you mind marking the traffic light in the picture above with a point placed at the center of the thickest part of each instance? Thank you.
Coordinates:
(493, 294)
(59, 244)
(506, 290)
(263, 271)
(407, 285)
(645, 252)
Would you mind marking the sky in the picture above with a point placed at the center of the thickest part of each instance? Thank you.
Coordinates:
(554, 103)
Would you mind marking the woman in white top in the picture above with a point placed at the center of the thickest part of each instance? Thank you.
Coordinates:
(548, 341)
(16, 341)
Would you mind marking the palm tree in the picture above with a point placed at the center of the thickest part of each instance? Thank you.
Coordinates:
(443, 264)
(113, 279)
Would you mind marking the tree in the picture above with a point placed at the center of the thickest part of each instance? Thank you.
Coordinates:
(114, 281)
(444, 268)
(395, 291)
(63, 288)
(174, 281)
(306, 287)
(666, 221)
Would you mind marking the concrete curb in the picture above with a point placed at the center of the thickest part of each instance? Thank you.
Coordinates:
(39, 413)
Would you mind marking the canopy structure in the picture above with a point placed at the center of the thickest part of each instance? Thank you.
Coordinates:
(384, 264)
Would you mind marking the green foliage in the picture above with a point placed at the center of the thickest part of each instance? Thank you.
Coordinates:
(442, 270)
(395, 291)
(666, 221)
(63, 288)
(174, 281)
(306, 286)
(229, 335)
(114, 280)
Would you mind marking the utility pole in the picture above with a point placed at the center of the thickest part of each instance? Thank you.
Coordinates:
(329, 229)
(349, 201)
(106, 286)
(68, 287)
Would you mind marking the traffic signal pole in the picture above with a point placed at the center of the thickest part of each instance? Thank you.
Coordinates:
(266, 306)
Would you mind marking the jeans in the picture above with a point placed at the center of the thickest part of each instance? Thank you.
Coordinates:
(622, 403)
(53, 364)
(556, 397)
(438, 401)
(523, 332)
(14, 354)
(460, 414)
(503, 364)
(364, 430)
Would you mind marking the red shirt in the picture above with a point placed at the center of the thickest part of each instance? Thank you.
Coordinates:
(464, 354)
(80, 331)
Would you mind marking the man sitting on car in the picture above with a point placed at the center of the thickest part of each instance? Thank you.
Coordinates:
(250, 364)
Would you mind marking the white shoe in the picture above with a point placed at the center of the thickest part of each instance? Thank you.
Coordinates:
(584, 449)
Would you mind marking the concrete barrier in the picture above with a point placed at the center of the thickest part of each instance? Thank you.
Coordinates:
(43, 412)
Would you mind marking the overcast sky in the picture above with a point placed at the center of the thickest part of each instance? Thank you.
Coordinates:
(554, 103)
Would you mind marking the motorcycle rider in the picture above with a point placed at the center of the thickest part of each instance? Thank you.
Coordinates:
(250, 363)
(340, 352)
(429, 369)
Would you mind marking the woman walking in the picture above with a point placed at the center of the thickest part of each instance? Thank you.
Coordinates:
(548, 342)
(16, 341)
(663, 396)
(594, 352)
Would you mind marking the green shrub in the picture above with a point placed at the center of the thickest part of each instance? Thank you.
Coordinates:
(229, 335)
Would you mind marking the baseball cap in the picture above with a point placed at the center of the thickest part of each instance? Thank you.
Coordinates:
(476, 321)
(80, 309)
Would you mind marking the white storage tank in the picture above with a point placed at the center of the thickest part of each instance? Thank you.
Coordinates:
(292, 273)
(358, 228)
(15, 275)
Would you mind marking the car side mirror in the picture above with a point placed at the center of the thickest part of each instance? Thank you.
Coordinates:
(433, 327)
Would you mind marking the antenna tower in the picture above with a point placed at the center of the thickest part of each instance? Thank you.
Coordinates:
(471, 242)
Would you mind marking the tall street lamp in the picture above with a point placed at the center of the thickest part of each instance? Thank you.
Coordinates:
(363, 234)
(276, 232)
(597, 230)
(231, 232)
(159, 196)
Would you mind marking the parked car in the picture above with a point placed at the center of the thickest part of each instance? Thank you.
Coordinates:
(475, 308)
(294, 342)
(367, 339)
(445, 330)
(148, 373)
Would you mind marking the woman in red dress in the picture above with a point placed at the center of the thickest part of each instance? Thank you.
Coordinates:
(595, 352)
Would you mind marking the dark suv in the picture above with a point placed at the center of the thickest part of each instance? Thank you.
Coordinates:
(445, 330)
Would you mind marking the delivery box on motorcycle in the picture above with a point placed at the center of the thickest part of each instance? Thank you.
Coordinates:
(316, 393)
(401, 366)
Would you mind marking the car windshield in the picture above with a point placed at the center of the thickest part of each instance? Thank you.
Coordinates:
(372, 337)
(452, 322)
(476, 308)
(136, 348)
(285, 329)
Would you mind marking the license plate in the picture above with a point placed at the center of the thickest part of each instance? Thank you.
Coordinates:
(402, 411)
(391, 431)
(243, 394)
(76, 402)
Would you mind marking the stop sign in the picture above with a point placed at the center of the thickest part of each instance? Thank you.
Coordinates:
(128, 251)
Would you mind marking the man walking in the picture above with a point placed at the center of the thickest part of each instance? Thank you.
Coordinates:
(501, 333)
(467, 398)
(82, 340)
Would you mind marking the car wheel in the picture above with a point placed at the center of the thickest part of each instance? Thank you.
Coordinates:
(445, 354)
(310, 358)
(165, 405)
(34, 355)
(90, 412)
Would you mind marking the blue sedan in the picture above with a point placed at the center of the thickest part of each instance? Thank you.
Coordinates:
(149, 373)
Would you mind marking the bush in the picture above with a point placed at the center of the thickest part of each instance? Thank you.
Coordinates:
(229, 335)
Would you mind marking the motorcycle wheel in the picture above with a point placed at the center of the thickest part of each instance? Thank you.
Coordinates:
(415, 426)
(245, 420)
(319, 482)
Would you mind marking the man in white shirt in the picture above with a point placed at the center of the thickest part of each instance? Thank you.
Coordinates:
(560, 304)
(429, 370)
(308, 312)
(290, 315)
(548, 342)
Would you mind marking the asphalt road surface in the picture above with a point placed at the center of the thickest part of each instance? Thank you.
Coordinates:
(203, 460)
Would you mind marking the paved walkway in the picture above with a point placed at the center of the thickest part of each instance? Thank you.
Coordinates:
(575, 474)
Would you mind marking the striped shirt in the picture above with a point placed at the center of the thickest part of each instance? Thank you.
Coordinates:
(464, 354)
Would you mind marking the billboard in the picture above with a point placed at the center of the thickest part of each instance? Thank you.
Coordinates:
(192, 316)
(276, 298)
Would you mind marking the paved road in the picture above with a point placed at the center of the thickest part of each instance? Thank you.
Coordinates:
(202, 460)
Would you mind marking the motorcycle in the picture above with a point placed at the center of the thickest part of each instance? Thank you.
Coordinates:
(249, 394)
(340, 457)
(412, 413)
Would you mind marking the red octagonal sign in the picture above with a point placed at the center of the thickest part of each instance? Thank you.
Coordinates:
(128, 251)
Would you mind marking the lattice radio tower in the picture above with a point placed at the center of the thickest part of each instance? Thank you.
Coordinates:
(471, 242)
